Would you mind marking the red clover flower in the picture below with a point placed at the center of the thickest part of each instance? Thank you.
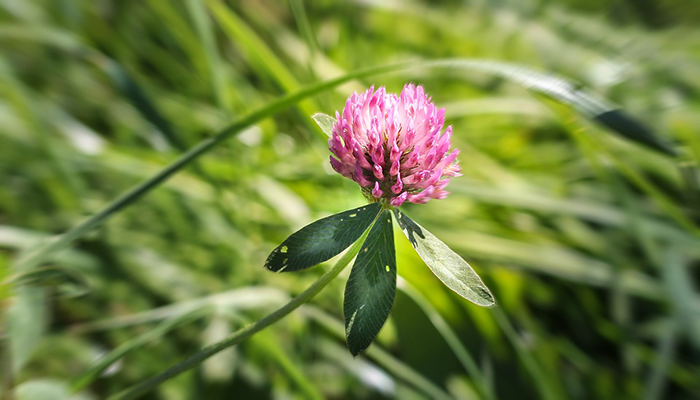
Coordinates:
(392, 146)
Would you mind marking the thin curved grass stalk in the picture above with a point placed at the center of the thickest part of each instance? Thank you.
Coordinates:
(595, 150)
(450, 337)
(275, 353)
(246, 332)
(205, 34)
(383, 358)
(666, 354)
(242, 299)
(546, 387)
(548, 85)
(94, 371)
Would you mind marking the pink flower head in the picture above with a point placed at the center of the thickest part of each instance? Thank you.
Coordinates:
(392, 146)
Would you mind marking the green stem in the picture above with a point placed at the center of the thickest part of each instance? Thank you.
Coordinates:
(273, 351)
(665, 359)
(451, 338)
(383, 358)
(246, 332)
(94, 371)
(543, 384)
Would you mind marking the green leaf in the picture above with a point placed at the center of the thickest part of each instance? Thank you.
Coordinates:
(325, 122)
(566, 92)
(631, 128)
(141, 101)
(27, 319)
(447, 265)
(371, 288)
(321, 240)
(67, 282)
(99, 366)
(46, 389)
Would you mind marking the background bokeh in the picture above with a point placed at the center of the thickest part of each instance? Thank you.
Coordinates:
(589, 242)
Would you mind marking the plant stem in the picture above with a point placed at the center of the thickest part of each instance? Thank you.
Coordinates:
(451, 338)
(383, 358)
(94, 371)
(544, 385)
(246, 332)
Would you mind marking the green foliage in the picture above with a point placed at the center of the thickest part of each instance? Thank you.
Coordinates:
(322, 240)
(325, 122)
(371, 287)
(587, 239)
(447, 265)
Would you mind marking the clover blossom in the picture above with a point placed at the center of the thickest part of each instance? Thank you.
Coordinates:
(392, 146)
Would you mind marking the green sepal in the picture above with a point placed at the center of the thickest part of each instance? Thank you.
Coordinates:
(325, 122)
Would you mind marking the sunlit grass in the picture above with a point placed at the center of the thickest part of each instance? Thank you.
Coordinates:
(588, 241)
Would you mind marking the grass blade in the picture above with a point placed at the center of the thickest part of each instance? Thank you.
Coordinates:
(546, 389)
(450, 337)
(204, 30)
(566, 92)
(94, 371)
(381, 357)
(629, 127)
(257, 51)
(267, 344)
(139, 98)
(246, 332)
(259, 297)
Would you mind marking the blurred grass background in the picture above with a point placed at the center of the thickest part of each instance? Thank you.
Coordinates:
(589, 242)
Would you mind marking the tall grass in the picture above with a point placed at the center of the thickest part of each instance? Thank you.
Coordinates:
(196, 115)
